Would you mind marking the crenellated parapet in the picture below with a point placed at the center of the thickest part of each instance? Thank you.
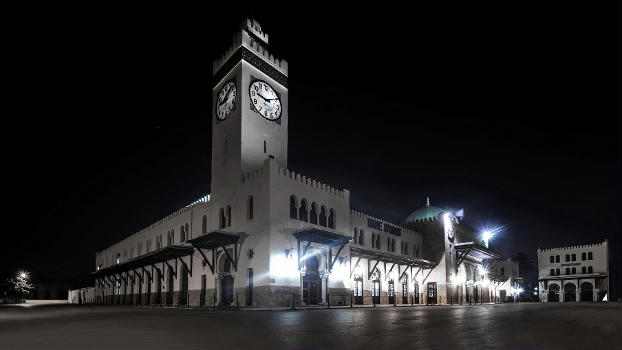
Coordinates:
(366, 217)
(312, 182)
(596, 245)
(251, 38)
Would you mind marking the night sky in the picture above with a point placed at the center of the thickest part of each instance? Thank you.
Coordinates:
(511, 112)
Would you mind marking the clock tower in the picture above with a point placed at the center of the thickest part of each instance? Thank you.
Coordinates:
(249, 108)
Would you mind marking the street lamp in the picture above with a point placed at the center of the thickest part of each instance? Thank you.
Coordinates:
(486, 236)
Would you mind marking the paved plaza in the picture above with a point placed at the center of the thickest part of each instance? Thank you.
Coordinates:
(502, 326)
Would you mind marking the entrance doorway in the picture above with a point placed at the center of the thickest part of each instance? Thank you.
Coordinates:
(587, 291)
(311, 283)
(553, 293)
(570, 292)
(183, 286)
(226, 284)
(416, 293)
(375, 292)
(158, 288)
(404, 293)
(169, 287)
(391, 292)
(203, 290)
(432, 293)
(502, 295)
(358, 291)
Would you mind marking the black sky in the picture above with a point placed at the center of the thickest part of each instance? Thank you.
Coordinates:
(511, 112)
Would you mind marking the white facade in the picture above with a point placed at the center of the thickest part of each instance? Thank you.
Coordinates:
(267, 236)
(577, 273)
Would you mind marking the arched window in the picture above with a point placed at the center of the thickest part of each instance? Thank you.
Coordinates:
(556, 258)
(574, 257)
(589, 256)
(293, 208)
(405, 248)
(361, 237)
(590, 270)
(302, 212)
(355, 237)
(552, 272)
(502, 271)
(557, 272)
(574, 270)
(373, 240)
(401, 247)
(378, 241)
(393, 245)
(323, 216)
(331, 218)
(567, 271)
(249, 208)
(182, 234)
(582, 256)
(584, 270)
(187, 231)
(173, 236)
(228, 215)
(388, 244)
(552, 259)
(222, 220)
(204, 224)
(313, 214)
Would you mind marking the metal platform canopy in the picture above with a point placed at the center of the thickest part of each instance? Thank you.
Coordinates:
(475, 250)
(162, 255)
(324, 237)
(378, 257)
(214, 240)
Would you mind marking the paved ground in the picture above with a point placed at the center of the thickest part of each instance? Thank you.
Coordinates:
(508, 326)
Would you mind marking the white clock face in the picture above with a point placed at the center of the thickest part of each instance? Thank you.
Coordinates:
(226, 100)
(265, 100)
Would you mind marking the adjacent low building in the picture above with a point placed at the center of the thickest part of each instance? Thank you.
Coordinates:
(576, 273)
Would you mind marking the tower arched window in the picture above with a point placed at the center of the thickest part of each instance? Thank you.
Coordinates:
(249, 208)
(228, 215)
(313, 214)
(293, 208)
(303, 214)
(331, 218)
(204, 224)
(323, 216)
(221, 218)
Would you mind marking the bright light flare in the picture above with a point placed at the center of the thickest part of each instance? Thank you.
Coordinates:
(489, 232)
(23, 274)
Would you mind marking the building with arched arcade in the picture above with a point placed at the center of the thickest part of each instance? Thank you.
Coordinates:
(268, 236)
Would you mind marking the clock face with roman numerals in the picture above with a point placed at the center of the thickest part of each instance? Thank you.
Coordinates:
(225, 103)
(265, 100)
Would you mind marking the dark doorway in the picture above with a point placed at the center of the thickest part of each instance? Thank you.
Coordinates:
(226, 284)
(553, 293)
(358, 291)
(139, 296)
(311, 283)
(148, 290)
(570, 292)
(502, 295)
(249, 293)
(183, 286)
(169, 286)
(391, 292)
(587, 291)
(375, 292)
(203, 290)
(158, 288)
(432, 293)
(416, 295)
(404, 293)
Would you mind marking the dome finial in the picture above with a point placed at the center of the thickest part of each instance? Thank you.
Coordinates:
(427, 201)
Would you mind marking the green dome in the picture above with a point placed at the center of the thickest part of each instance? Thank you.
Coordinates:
(426, 212)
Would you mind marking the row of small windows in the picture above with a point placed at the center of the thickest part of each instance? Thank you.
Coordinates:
(573, 271)
(225, 215)
(572, 257)
(359, 238)
(302, 213)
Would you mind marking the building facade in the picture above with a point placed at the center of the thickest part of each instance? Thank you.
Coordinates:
(577, 273)
(267, 236)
